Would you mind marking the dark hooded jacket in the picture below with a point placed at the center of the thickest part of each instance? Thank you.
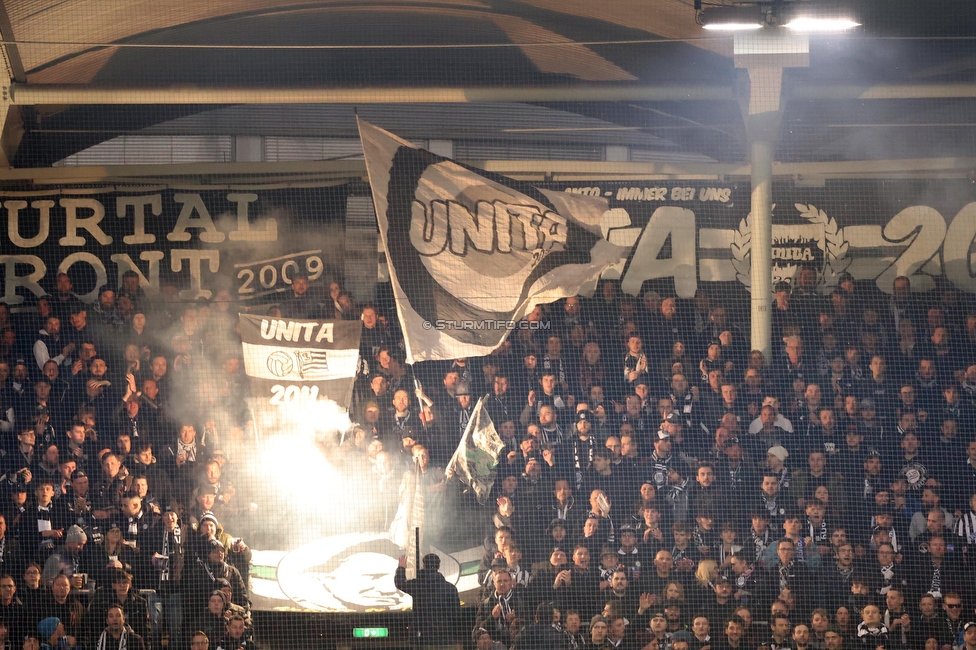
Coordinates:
(436, 606)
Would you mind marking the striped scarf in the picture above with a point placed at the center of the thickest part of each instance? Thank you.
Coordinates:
(966, 527)
(123, 640)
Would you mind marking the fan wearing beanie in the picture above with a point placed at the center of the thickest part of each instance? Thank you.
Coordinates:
(71, 559)
(52, 633)
(75, 535)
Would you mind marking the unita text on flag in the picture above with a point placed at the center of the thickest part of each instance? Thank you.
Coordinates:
(470, 253)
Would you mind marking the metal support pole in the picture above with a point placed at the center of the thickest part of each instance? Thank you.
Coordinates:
(78, 94)
(59, 94)
(416, 543)
(762, 57)
(762, 239)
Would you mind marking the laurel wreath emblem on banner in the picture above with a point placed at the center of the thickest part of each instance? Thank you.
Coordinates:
(741, 247)
(833, 244)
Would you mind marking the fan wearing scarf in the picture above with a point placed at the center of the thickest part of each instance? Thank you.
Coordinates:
(202, 577)
(120, 593)
(117, 635)
(75, 557)
(236, 551)
(166, 546)
(871, 631)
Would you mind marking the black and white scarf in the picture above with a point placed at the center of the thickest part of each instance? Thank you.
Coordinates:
(187, 450)
(44, 514)
(553, 436)
(890, 616)
(401, 424)
(555, 366)
(845, 572)
(743, 580)
(630, 364)
(966, 527)
(864, 631)
(206, 567)
(785, 576)
(678, 554)
(464, 414)
(887, 575)
(123, 641)
(771, 506)
(505, 603)
(687, 404)
(760, 542)
(659, 470)
(583, 453)
(819, 534)
(774, 645)
(166, 550)
(935, 584)
(735, 479)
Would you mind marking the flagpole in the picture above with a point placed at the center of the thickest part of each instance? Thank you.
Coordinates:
(417, 386)
(416, 549)
(417, 487)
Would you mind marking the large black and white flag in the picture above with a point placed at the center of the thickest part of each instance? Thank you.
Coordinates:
(469, 255)
(290, 362)
(476, 457)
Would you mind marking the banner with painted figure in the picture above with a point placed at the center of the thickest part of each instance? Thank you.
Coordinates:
(699, 234)
(293, 362)
(247, 243)
(469, 255)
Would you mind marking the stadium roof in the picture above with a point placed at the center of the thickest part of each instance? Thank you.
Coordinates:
(901, 86)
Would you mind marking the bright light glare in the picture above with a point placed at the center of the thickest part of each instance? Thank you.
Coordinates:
(292, 456)
(732, 27)
(821, 24)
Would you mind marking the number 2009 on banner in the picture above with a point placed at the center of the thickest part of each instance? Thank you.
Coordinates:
(271, 275)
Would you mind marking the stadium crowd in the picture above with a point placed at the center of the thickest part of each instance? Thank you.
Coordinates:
(661, 485)
(122, 425)
(664, 487)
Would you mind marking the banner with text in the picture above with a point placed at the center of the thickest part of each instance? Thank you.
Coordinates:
(696, 234)
(468, 255)
(249, 243)
(292, 363)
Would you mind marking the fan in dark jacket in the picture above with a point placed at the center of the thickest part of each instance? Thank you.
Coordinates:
(200, 580)
(117, 634)
(436, 606)
(134, 606)
(541, 635)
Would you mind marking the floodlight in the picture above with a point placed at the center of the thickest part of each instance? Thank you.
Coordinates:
(732, 18)
(812, 25)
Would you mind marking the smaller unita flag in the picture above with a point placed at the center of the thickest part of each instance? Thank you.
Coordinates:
(281, 353)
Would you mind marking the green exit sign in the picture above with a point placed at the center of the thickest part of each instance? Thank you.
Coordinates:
(370, 632)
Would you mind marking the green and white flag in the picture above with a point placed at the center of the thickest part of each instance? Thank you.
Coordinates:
(476, 457)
